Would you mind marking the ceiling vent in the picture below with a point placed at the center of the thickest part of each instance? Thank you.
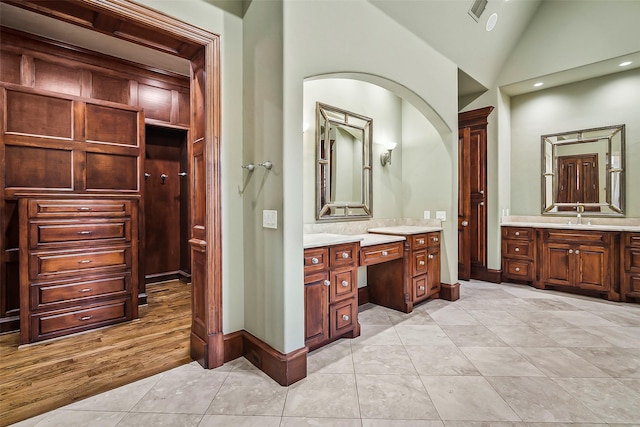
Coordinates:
(477, 8)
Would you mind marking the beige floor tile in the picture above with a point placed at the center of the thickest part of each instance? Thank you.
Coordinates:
(394, 397)
(334, 358)
(617, 362)
(151, 419)
(473, 336)
(239, 421)
(436, 360)
(328, 422)
(500, 362)
(559, 362)
(321, 395)
(249, 393)
(382, 359)
(422, 335)
(522, 336)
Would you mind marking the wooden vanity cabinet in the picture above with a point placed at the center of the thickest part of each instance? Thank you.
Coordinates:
(631, 267)
(519, 253)
(425, 266)
(330, 293)
(78, 264)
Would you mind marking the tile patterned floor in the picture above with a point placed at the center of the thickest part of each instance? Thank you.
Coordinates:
(502, 355)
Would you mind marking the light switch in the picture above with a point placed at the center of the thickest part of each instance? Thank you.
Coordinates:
(426, 215)
(441, 215)
(269, 219)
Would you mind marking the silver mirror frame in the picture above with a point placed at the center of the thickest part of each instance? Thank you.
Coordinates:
(614, 172)
(327, 210)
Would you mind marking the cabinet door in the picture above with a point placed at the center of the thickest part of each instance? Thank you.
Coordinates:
(433, 271)
(316, 311)
(591, 268)
(557, 268)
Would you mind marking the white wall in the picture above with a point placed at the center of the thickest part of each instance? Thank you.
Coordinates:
(229, 27)
(608, 100)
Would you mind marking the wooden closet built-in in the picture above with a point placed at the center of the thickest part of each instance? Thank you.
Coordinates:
(82, 229)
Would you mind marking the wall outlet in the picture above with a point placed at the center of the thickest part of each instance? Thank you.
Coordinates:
(441, 215)
(426, 215)
(269, 219)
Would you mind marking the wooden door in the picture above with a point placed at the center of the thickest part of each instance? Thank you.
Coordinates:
(316, 311)
(558, 264)
(591, 268)
(578, 180)
(472, 194)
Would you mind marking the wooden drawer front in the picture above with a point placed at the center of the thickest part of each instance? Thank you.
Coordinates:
(518, 249)
(43, 234)
(419, 241)
(380, 253)
(343, 284)
(419, 263)
(433, 239)
(633, 281)
(434, 286)
(343, 317)
(342, 255)
(632, 239)
(518, 269)
(46, 294)
(420, 287)
(577, 236)
(52, 263)
(89, 207)
(517, 233)
(52, 324)
(632, 259)
(315, 260)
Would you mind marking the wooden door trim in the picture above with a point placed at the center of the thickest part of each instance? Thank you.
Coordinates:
(152, 29)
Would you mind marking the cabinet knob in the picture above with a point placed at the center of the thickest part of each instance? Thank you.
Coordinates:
(435, 239)
(577, 251)
(517, 249)
(385, 253)
(570, 251)
(517, 233)
(345, 317)
(421, 262)
(314, 260)
(430, 256)
(465, 223)
(422, 288)
(517, 268)
(345, 255)
(345, 283)
(327, 283)
(421, 241)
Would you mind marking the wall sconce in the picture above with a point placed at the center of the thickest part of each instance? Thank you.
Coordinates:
(385, 158)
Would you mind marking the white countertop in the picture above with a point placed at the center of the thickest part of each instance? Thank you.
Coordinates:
(596, 223)
(315, 240)
(595, 227)
(378, 239)
(404, 230)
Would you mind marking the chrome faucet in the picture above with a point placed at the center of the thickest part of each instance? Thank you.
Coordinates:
(580, 209)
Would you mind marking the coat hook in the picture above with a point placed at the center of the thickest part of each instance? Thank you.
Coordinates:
(250, 167)
(163, 177)
(146, 176)
(267, 165)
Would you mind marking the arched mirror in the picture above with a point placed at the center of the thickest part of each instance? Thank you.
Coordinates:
(583, 171)
(343, 162)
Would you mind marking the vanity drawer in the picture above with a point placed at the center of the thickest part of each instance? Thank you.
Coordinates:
(342, 285)
(633, 289)
(433, 239)
(577, 236)
(517, 249)
(43, 234)
(315, 260)
(47, 294)
(419, 241)
(420, 287)
(46, 264)
(632, 259)
(518, 269)
(419, 263)
(632, 239)
(343, 317)
(520, 233)
(380, 253)
(43, 208)
(56, 323)
(343, 255)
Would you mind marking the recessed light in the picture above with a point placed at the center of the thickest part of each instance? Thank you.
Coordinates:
(625, 63)
(538, 84)
(491, 22)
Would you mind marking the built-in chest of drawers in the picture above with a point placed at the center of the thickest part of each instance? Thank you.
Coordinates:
(78, 264)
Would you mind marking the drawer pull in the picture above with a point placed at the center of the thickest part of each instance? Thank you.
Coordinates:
(421, 262)
(84, 233)
(385, 253)
(85, 290)
(577, 251)
(345, 255)
(345, 317)
(430, 256)
(422, 288)
(421, 241)
(517, 268)
(84, 208)
(345, 283)
(314, 260)
(570, 251)
(435, 239)
(327, 283)
(85, 261)
(517, 233)
(85, 318)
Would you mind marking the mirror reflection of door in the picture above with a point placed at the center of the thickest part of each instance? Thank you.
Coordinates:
(578, 181)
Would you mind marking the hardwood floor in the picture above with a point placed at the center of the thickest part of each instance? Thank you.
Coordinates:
(44, 376)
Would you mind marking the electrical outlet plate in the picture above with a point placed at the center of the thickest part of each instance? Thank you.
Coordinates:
(269, 218)
(426, 215)
(441, 215)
